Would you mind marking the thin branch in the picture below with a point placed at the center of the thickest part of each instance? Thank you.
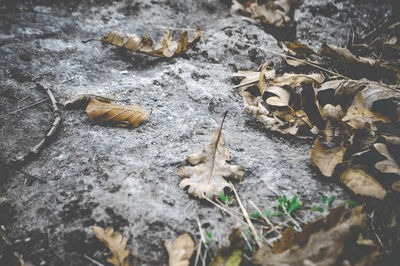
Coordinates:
(225, 210)
(92, 260)
(246, 216)
(265, 218)
(26, 107)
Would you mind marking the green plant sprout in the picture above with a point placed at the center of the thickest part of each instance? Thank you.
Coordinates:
(325, 200)
(288, 207)
(225, 199)
(351, 203)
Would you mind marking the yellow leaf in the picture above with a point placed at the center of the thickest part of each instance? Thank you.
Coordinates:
(124, 115)
(180, 251)
(116, 243)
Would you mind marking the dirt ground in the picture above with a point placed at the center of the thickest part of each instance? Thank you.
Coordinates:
(126, 178)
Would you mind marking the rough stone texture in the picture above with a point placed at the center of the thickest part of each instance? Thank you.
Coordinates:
(127, 178)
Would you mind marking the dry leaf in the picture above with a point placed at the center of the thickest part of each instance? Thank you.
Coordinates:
(180, 251)
(388, 166)
(322, 242)
(277, 13)
(207, 176)
(166, 47)
(123, 115)
(232, 255)
(361, 183)
(396, 186)
(327, 158)
(343, 55)
(116, 243)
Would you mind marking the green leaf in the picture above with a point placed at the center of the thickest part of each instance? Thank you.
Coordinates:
(317, 209)
(255, 215)
(351, 203)
(267, 213)
(223, 197)
(293, 200)
(209, 235)
(330, 200)
(293, 207)
(277, 214)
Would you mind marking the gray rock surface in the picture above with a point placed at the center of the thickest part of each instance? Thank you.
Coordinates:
(127, 178)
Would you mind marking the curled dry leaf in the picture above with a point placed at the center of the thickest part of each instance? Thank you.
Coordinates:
(326, 157)
(276, 13)
(180, 251)
(207, 176)
(122, 115)
(116, 243)
(326, 241)
(166, 47)
(233, 254)
(362, 183)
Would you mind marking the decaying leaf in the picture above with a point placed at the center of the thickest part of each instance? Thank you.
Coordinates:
(276, 13)
(396, 186)
(326, 241)
(116, 243)
(345, 56)
(166, 47)
(388, 166)
(122, 115)
(207, 175)
(232, 255)
(362, 183)
(180, 251)
(327, 157)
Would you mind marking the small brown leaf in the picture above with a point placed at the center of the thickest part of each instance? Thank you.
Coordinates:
(180, 251)
(361, 183)
(124, 115)
(166, 47)
(207, 176)
(116, 243)
(327, 158)
(396, 186)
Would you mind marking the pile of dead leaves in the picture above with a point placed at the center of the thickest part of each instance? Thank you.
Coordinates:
(355, 122)
(166, 47)
(332, 240)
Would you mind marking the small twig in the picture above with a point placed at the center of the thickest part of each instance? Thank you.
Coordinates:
(373, 229)
(91, 40)
(225, 210)
(56, 123)
(5, 237)
(66, 80)
(264, 217)
(204, 257)
(92, 260)
(142, 258)
(198, 252)
(201, 231)
(26, 107)
(27, 174)
(246, 216)
(23, 99)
